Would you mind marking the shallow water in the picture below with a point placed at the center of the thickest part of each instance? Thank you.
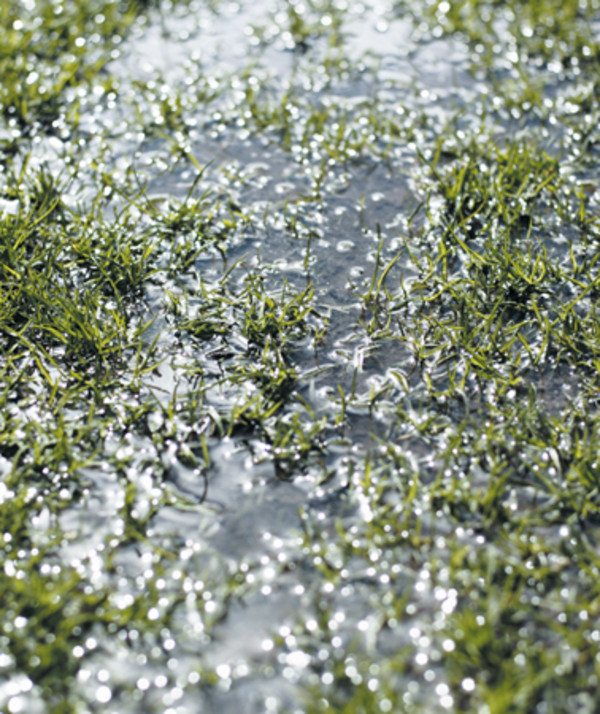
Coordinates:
(265, 561)
(242, 509)
(253, 508)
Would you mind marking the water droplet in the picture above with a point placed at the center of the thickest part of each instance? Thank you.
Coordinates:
(103, 694)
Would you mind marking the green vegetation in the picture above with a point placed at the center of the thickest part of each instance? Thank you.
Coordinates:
(299, 359)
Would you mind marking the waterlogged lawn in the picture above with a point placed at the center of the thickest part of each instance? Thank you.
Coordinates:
(299, 356)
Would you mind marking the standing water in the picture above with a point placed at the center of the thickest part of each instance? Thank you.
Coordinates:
(300, 348)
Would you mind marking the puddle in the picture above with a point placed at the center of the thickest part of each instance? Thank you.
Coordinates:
(251, 565)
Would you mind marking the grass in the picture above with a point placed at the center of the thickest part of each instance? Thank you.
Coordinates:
(49, 48)
(396, 311)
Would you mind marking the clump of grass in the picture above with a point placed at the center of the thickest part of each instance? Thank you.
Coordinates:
(492, 291)
(69, 280)
(49, 47)
(549, 30)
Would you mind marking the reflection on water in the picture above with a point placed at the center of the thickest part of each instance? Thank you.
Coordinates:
(262, 552)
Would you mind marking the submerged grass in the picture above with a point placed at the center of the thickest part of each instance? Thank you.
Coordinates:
(151, 355)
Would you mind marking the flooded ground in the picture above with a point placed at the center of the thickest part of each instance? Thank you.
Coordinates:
(300, 352)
